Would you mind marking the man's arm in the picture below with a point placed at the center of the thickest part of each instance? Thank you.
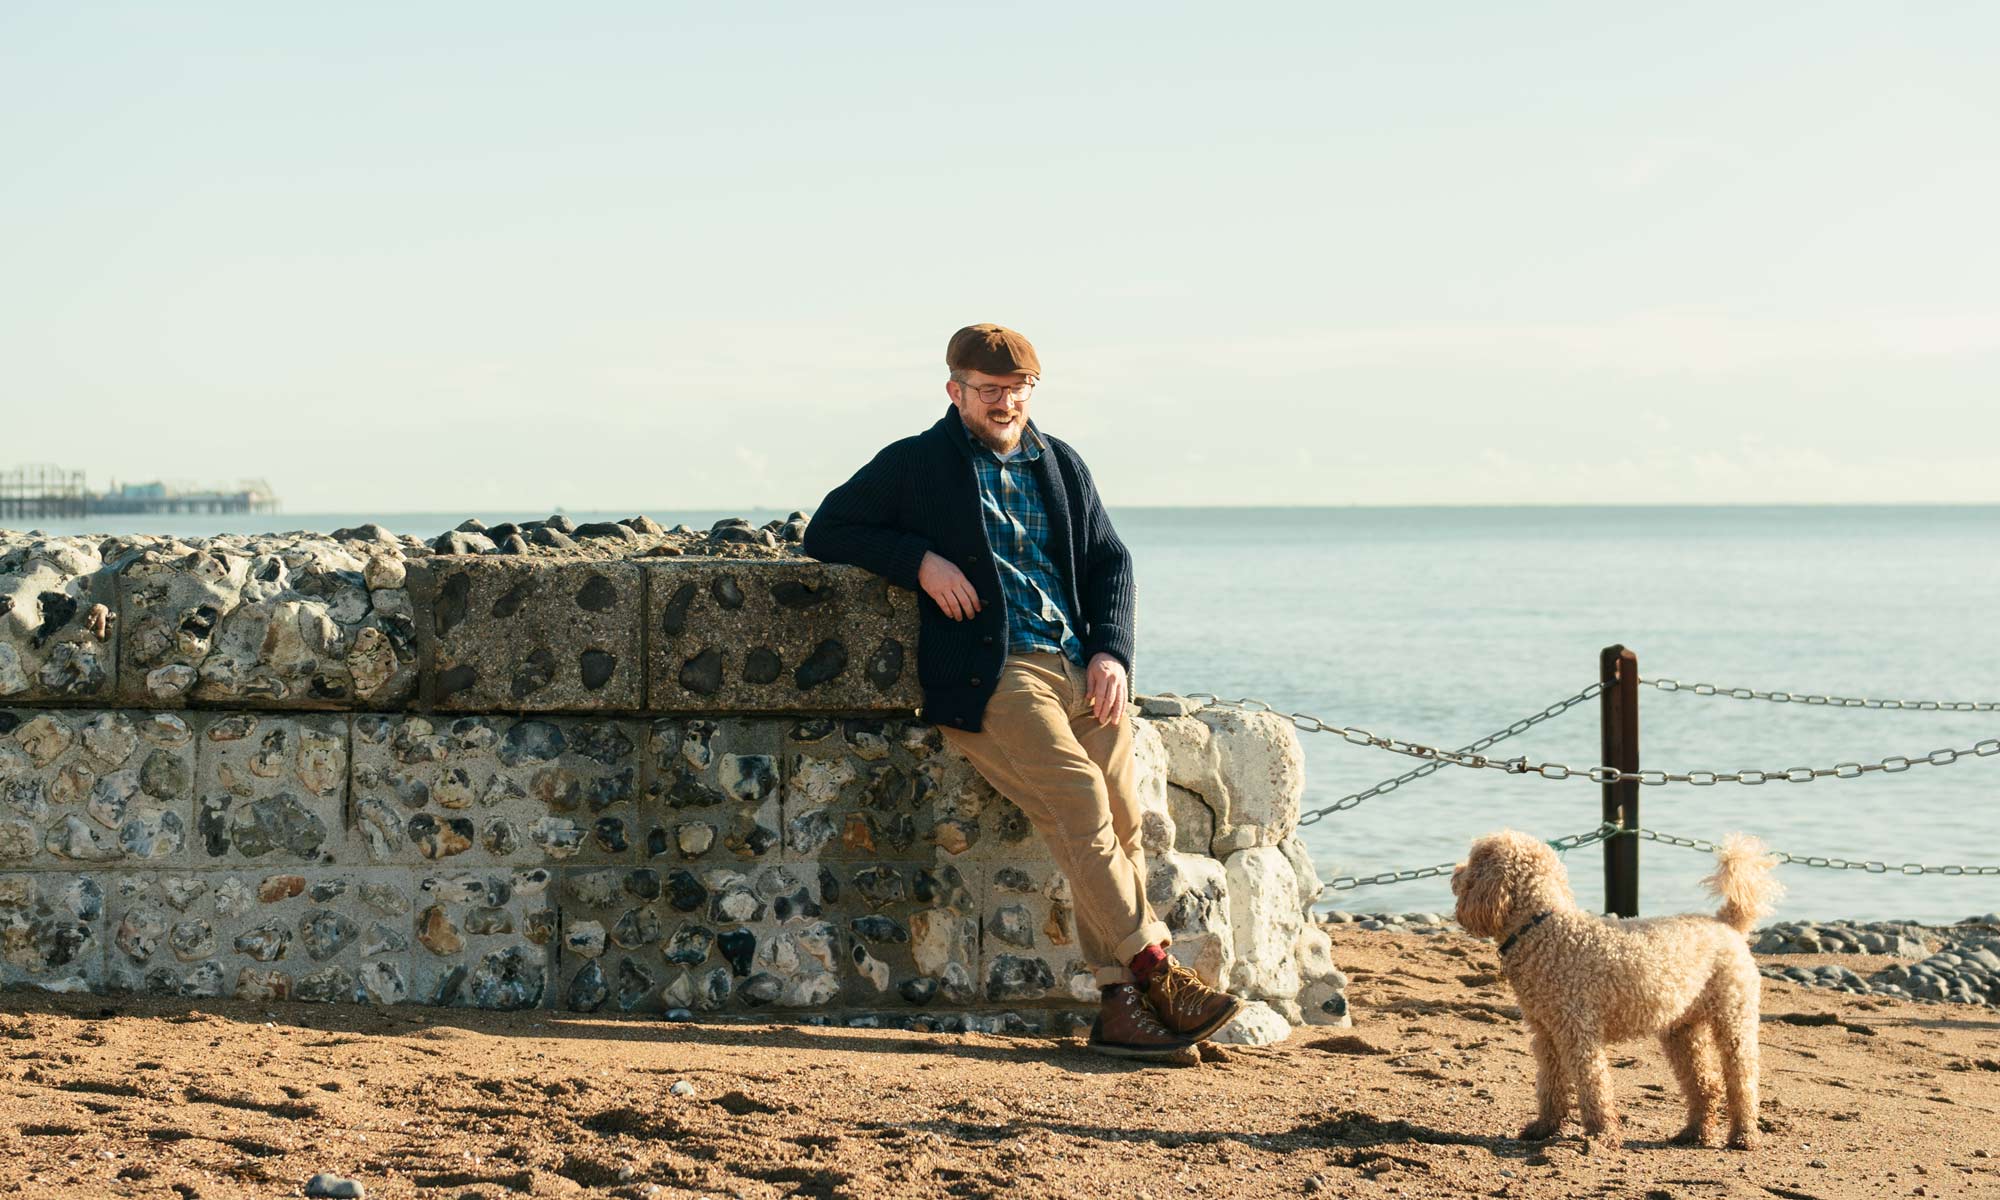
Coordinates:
(861, 522)
(1105, 590)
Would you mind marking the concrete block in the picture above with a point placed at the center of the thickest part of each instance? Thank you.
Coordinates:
(860, 789)
(1028, 946)
(739, 635)
(88, 788)
(335, 936)
(703, 938)
(491, 791)
(280, 623)
(713, 791)
(48, 654)
(52, 931)
(270, 789)
(517, 635)
(484, 938)
(911, 931)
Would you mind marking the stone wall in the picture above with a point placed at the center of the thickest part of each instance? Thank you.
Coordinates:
(644, 775)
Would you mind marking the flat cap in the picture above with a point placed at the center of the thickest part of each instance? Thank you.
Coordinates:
(994, 349)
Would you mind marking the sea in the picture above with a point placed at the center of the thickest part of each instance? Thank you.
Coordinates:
(1438, 626)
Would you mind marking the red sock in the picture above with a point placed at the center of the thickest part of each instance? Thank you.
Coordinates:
(1146, 963)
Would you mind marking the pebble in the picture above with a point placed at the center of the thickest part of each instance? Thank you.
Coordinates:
(607, 529)
(338, 1186)
(744, 535)
(1964, 967)
(457, 542)
(682, 1088)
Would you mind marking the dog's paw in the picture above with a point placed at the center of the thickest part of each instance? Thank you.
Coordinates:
(1696, 1135)
(1541, 1130)
(1608, 1136)
(1745, 1139)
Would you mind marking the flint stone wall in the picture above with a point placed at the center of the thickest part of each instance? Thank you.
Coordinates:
(339, 770)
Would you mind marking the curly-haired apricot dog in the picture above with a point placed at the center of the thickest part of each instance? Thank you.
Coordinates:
(1586, 981)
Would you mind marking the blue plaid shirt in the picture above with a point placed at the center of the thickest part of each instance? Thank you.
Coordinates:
(1017, 527)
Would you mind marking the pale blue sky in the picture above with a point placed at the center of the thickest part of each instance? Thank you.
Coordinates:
(466, 256)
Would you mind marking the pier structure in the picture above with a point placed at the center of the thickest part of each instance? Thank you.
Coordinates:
(46, 491)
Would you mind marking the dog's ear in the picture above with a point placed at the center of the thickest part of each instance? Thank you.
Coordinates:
(1484, 899)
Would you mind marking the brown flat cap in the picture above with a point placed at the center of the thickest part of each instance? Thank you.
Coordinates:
(994, 349)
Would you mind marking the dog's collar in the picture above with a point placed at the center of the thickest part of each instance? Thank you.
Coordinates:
(1516, 935)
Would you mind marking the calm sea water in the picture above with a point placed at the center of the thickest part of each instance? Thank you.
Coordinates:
(1442, 625)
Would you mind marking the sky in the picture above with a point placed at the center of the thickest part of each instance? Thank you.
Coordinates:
(455, 256)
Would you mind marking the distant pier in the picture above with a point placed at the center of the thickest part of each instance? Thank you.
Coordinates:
(45, 491)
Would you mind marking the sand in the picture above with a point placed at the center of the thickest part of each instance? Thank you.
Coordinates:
(1863, 1097)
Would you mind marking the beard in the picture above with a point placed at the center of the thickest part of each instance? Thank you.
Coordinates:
(1001, 439)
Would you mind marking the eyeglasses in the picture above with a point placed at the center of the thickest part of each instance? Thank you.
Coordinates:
(993, 393)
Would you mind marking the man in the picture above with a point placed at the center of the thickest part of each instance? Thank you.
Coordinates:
(1024, 650)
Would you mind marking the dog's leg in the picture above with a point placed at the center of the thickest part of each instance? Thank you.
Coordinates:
(1690, 1049)
(1585, 1063)
(1736, 1036)
(1552, 1089)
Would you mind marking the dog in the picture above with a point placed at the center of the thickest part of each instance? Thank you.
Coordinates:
(1585, 982)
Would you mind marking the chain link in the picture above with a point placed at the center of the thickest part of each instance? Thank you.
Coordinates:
(1389, 785)
(1470, 758)
(1437, 758)
(1608, 831)
(1821, 861)
(1894, 764)
(1572, 841)
(1814, 700)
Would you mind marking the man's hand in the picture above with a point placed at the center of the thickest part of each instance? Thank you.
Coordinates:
(1104, 678)
(947, 585)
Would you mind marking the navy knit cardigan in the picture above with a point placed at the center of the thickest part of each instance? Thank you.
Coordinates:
(921, 494)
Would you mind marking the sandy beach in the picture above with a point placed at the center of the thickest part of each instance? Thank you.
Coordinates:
(1864, 1096)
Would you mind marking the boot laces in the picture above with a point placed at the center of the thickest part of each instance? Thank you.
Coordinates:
(1141, 1016)
(1181, 991)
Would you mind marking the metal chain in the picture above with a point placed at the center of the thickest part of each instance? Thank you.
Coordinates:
(1814, 700)
(1814, 860)
(1894, 764)
(1608, 831)
(1346, 883)
(1417, 773)
(1442, 759)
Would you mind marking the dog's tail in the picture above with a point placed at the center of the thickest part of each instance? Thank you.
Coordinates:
(1743, 879)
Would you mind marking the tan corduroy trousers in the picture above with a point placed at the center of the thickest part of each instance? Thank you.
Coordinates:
(1041, 748)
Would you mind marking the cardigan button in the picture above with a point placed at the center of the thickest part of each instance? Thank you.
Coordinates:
(987, 640)
(975, 681)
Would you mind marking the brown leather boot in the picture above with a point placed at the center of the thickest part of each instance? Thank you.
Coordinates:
(1186, 1005)
(1126, 1028)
